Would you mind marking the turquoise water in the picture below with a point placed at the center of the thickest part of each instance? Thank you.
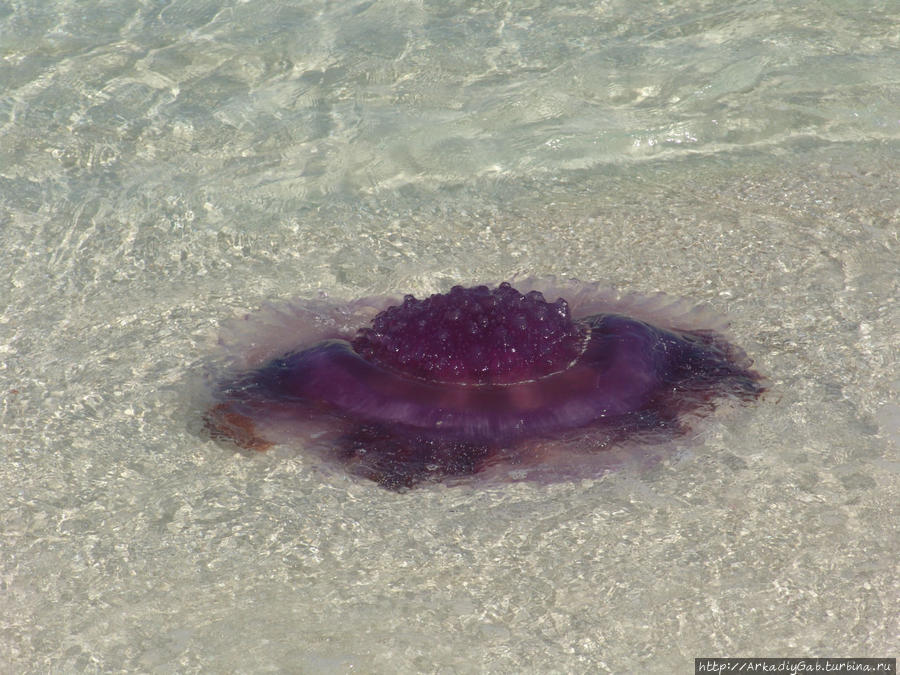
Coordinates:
(165, 166)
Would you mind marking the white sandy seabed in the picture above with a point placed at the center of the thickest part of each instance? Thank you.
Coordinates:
(132, 542)
(167, 167)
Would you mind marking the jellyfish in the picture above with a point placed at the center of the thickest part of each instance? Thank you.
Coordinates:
(478, 381)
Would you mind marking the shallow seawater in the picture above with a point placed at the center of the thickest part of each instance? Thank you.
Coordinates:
(168, 166)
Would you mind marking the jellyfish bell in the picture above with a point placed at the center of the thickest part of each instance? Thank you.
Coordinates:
(482, 380)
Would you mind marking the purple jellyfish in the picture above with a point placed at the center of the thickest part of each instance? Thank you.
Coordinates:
(475, 381)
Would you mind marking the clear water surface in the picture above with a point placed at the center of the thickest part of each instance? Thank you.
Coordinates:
(167, 165)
